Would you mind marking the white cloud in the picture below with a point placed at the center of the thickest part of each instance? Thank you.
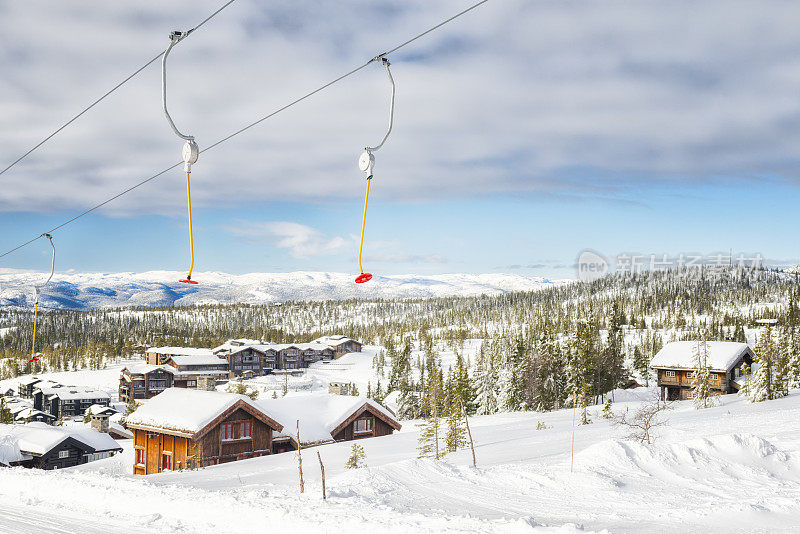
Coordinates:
(517, 96)
(301, 240)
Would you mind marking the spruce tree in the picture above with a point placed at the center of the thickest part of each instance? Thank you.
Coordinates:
(429, 436)
(763, 382)
(456, 436)
(701, 380)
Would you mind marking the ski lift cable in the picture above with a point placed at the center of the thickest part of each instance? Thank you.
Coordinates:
(107, 94)
(246, 127)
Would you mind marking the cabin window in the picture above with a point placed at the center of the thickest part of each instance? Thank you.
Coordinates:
(244, 429)
(63, 454)
(690, 394)
(689, 374)
(363, 426)
(139, 456)
(669, 374)
(191, 383)
(166, 461)
(226, 431)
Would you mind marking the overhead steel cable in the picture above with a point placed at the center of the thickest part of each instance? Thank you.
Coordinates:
(108, 93)
(250, 125)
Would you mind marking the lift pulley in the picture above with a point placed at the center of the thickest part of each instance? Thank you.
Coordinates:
(36, 291)
(190, 150)
(366, 164)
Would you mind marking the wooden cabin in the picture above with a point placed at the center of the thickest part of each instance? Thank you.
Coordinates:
(189, 369)
(47, 447)
(186, 429)
(676, 364)
(144, 381)
(160, 355)
(327, 418)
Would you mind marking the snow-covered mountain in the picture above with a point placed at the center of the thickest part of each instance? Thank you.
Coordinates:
(161, 288)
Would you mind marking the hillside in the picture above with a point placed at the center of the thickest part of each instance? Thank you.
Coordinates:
(85, 291)
(732, 468)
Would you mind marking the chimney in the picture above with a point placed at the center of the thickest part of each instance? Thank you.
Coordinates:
(206, 383)
(100, 422)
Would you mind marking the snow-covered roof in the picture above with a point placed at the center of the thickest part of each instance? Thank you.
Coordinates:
(9, 451)
(722, 355)
(28, 413)
(334, 341)
(40, 438)
(185, 411)
(144, 368)
(180, 351)
(121, 431)
(96, 409)
(320, 414)
(99, 441)
(48, 387)
(79, 393)
(237, 345)
(28, 380)
(204, 359)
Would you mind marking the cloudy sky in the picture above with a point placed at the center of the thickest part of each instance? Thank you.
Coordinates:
(525, 132)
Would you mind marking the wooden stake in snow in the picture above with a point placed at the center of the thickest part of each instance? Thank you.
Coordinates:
(322, 470)
(469, 432)
(300, 459)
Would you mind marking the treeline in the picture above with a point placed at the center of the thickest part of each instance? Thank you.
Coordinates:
(539, 349)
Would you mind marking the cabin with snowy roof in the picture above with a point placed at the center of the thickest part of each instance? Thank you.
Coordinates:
(326, 418)
(68, 401)
(45, 447)
(189, 428)
(187, 370)
(142, 381)
(676, 365)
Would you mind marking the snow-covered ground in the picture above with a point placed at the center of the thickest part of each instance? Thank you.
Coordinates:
(731, 468)
(161, 288)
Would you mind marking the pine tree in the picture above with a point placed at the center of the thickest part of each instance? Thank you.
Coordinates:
(608, 412)
(701, 380)
(584, 400)
(357, 458)
(486, 384)
(428, 442)
(456, 436)
(6, 417)
(763, 382)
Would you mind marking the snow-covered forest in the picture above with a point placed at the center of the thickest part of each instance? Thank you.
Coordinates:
(524, 350)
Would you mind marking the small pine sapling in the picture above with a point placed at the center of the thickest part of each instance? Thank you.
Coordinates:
(608, 413)
(357, 459)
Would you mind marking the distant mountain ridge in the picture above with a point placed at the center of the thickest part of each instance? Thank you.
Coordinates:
(161, 288)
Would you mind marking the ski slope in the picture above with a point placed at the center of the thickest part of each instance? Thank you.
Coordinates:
(731, 468)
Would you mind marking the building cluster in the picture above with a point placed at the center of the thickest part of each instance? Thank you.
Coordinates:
(189, 428)
(197, 368)
(42, 400)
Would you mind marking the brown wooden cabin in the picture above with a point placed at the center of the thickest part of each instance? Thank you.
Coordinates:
(166, 437)
(675, 365)
(366, 422)
(351, 418)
